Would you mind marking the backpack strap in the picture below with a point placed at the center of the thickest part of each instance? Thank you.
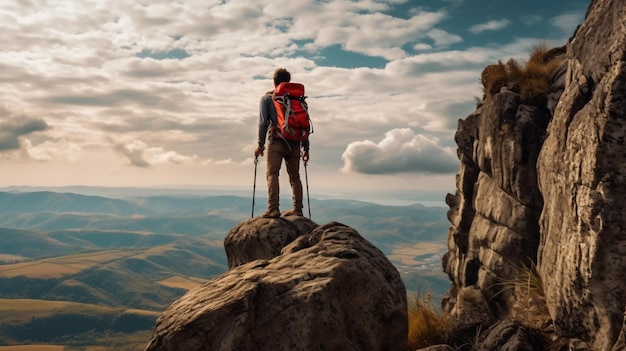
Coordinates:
(305, 106)
(284, 100)
(287, 109)
(285, 140)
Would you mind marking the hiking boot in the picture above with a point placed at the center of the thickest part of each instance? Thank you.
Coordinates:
(293, 212)
(271, 213)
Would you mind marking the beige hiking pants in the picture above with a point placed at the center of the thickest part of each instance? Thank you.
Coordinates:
(278, 150)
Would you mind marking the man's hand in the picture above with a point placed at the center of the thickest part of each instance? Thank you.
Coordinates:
(258, 152)
(305, 156)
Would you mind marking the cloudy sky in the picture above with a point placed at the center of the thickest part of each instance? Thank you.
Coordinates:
(162, 93)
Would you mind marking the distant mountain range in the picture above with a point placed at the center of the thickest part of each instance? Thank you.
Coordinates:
(212, 215)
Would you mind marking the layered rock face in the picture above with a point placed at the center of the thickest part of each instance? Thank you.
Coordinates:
(495, 211)
(545, 184)
(582, 177)
(497, 205)
(291, 285)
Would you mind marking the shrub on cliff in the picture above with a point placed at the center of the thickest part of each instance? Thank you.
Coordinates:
(531, 81)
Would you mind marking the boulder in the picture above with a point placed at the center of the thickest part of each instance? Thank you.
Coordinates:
(507, 335)
(263, 239)
(470, 314)
(327, 289)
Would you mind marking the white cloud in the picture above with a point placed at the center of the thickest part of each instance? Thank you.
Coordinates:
(567, 22)
(139, 154)
(50, 151)
(224, 162)
(374, 34)
(451, 59)
(443, 38)
(422, 47)
(401, 151)
(491, 25)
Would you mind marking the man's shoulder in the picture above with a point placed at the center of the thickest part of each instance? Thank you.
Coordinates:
(267, 97)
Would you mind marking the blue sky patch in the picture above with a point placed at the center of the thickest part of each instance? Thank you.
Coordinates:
(177, 54)
(336, 56)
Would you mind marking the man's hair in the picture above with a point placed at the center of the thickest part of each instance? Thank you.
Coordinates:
(281, 75)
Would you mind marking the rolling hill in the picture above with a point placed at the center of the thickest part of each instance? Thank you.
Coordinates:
(141, 253)
(41, 322)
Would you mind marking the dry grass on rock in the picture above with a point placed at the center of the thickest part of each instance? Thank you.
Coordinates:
(426, 326)
(531, 80)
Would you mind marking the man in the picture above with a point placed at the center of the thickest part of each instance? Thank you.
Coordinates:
(278, 149)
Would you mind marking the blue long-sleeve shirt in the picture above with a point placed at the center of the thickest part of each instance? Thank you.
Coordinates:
(267, 116)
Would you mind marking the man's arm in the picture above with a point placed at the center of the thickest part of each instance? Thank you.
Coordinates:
(265, 117)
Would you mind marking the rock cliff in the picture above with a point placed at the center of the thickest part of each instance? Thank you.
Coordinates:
(541, 197)
(291, 285)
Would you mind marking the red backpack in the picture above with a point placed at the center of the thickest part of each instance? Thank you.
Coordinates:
(292, 111)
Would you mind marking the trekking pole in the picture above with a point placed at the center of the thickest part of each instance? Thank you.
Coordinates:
(256, 160)
(306, 178)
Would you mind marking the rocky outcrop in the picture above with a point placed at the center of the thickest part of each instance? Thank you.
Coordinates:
(582, 177)
(507, 335)
(291, 285)
(495, 211)
(544, 185)
(262, 239)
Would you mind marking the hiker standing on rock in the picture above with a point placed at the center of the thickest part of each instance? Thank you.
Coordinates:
(284, 122)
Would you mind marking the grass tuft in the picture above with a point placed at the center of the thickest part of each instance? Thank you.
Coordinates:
(531, 80)
(526, 282)
(529, 282)
(494, 77)
(426, 326)
(528, 297)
